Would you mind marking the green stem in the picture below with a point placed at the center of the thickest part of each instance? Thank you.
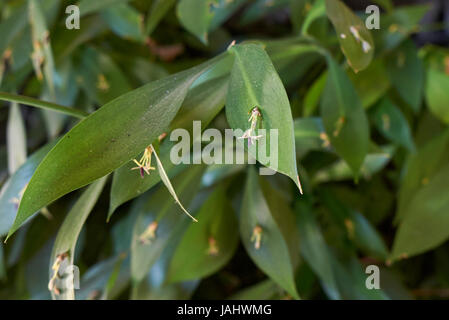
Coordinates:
(43, 104)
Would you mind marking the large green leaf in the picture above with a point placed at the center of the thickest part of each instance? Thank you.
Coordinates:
(355, 39)
(426, 224)
(70, 229)
(107, 139)
(125, 21)
(209, 244)
(201, 104)
(422, 167)
(267, 235)
(12, 190)
(160, 208)
(255, 83)
(344, 118)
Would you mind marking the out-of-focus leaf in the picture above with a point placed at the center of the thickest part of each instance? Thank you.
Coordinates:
(261, 8)
(2, 263)
(372, 83)
(265, 290)
(160, 211)
(86, 153)
(13, 189)
(355, 39)
(316, 11)
(374, 162)
(393, 125)
(344, 118)
(201, 104)
(309, 135)
(263, 233)
(125, 21)
(158, 10)
(313, 96)
(315, 250)
(255, 83)
(426, 224)
(437, 94)
(406, 72)
(70, 229)
(209, 244)
(89, 7)
(16, 139)
(196, 16)
(422, 167)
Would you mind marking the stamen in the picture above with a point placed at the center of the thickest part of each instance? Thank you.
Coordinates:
(257, 237)
(149, 234)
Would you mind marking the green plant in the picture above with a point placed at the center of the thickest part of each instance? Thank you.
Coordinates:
(362, 143)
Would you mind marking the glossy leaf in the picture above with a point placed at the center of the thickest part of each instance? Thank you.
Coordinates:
(196, 16)
(202, 104)
(355, 39)
(70, 229)
(255, 83)
(83, 155)
(344, 118)
(16, 139)
(274, 251)
(209, 244)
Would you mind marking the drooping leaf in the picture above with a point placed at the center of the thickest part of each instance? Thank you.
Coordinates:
(160, 210)
(16, 139)
(255, 84)
(426, 224)
(70, 229)
(344, 118)
(264, 236)
(355, 39)
(87, 152)
(209, 244)
(393, 125)
(13, 188)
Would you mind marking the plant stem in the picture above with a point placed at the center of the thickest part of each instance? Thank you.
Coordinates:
(43, 104)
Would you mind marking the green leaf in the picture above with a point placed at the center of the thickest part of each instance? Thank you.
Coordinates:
(355, 39)
(255, 83)
(344, 118)
(70, 229)
(406, 71)
(315, 250)
(159, 208)
(313, 95)
(85, 154)
(393, 125)
(196, 16)
(89, 7)
(209, 244)
(426, 224)
(2, 263)
(422, 167)
(437, 93)
(202, 104)
(274, 251)
(265, 290)
(317, 11)
(16, 139)
(159, 9)
(125, 21)
(309, 133)
(13, 188)
(372, 83)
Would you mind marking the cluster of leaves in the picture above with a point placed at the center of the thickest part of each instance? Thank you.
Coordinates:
(361, 113)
